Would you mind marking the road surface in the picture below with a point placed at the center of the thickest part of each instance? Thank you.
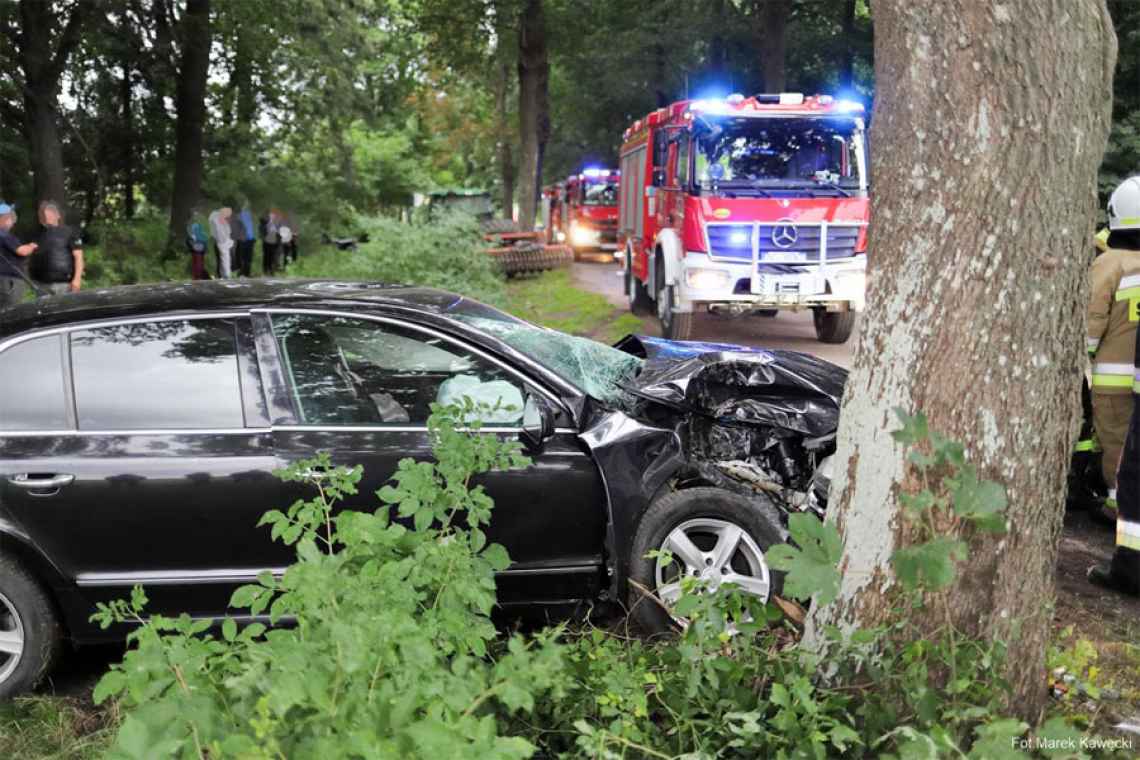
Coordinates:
(788, 330)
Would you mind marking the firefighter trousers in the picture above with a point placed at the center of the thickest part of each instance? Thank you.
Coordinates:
(1111, 415)
(1126, 558)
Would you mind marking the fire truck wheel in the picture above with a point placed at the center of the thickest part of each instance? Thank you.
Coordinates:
(674, 326)
(833, 326)
(639, 300)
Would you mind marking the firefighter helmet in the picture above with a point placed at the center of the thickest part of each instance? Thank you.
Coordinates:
(1124, 206)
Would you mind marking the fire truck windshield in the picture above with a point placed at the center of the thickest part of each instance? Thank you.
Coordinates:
(744, 156)
(599, 193)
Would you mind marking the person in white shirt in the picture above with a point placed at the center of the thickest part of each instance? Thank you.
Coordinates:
(223, 241)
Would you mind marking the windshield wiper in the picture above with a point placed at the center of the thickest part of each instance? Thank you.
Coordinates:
(833, 186)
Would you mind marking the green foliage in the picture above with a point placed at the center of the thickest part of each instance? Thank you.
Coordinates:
(446, 253)
(393, 652)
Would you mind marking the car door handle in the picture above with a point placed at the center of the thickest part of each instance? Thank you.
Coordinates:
(41, 486)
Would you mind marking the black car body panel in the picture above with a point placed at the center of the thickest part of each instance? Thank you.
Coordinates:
(174, 506)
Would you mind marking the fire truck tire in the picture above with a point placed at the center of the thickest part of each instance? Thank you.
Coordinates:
(674, 325)
(639, 301)
(833, 326)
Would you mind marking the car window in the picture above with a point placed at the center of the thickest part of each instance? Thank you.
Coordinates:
(34, 397)
(345, 371)
(156, 375)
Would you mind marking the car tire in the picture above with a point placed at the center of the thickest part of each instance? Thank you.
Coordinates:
(833, 326)
(28, 617)
(692, 511)
(640, 303)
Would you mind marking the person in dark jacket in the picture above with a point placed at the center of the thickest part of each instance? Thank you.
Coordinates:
(58, 263)
(14, 256)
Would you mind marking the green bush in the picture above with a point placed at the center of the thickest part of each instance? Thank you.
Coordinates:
(128, 253)
(394, 654)
(444, 253)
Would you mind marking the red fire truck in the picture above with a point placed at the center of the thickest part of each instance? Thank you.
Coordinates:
(749, 206)
(582, 210)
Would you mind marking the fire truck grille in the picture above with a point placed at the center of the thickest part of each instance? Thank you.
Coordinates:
(779, 243)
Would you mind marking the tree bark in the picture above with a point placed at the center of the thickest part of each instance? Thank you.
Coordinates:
(126, 97)
(42, 63)
(534, 108)
(503, 136)
(770, 30)
(996, 117)
(190, 105)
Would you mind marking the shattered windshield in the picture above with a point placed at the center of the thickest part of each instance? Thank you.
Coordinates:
(808, 153)
(595, 368)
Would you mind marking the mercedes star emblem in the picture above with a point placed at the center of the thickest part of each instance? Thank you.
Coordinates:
(784, 235)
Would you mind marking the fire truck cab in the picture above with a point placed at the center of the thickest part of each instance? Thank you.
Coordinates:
(746, 205)
(582, 210)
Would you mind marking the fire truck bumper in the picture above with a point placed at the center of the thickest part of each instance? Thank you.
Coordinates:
(840, 285)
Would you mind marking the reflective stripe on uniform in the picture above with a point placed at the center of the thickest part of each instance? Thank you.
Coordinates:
(1112, 375)
(1128, 534)
(1092, 344)
(1087, 444)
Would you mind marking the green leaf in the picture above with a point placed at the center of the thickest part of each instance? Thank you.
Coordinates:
(914, 428)
(998, 740)
(929, 566)
(112, 682)
(496, 555)
(981, 502)
(810, 566)
(229, 629)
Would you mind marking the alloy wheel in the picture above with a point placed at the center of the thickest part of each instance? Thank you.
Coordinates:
(716, 552)
(11, 638)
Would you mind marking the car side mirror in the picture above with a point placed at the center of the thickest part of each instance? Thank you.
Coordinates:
(538, 422)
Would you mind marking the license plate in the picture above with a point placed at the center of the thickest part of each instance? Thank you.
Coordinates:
(789, 284)
(785, 257)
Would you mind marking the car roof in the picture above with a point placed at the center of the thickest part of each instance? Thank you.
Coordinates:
(171, 297)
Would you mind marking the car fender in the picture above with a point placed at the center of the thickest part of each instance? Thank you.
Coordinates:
(16, 543)
(635, 461)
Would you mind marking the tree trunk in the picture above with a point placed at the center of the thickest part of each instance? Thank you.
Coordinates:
(847, 60)
(127, 140)
(534, 108)
(996, 123)
(503, 136)
(42, 64)
(770, 28)
(190, 105)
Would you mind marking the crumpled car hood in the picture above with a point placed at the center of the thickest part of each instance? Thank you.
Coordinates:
(787, 390)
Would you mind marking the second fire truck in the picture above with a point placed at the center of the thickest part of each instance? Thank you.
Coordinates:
(582, 210)
(749, 206)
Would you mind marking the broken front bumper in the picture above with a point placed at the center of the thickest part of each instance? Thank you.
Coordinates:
(838, 285)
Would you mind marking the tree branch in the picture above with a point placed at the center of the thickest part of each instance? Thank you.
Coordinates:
(71, 36)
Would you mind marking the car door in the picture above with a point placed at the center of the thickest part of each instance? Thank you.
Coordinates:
(361, 389)
(159, 465)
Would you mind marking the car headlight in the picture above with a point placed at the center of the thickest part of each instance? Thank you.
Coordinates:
(707, 279)
(580, 234)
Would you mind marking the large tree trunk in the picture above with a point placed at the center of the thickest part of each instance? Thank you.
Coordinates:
(43, 63)
(770, 30)
(127, 139)
(503, 136)
(190, 104)
(534, 108)
(979, 255)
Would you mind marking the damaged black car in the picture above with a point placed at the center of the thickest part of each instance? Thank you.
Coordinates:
(140, 429)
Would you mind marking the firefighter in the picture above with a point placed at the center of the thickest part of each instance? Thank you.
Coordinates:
(1113, 314)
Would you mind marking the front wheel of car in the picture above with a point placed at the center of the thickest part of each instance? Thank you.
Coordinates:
(709, 534)
(833, 326)
(29, 630)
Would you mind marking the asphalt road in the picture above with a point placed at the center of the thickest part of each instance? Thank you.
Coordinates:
(787, 330)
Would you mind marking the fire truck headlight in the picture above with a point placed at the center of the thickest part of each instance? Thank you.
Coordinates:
(582, 235)
(560, 236)
(707, 279)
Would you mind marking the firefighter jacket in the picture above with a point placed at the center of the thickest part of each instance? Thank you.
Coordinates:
(1114, 311)
(1126, 559)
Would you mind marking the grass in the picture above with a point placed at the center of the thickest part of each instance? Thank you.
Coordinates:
(552, 300)
(60, 728)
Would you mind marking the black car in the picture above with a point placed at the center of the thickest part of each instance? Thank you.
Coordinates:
(140, 429)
